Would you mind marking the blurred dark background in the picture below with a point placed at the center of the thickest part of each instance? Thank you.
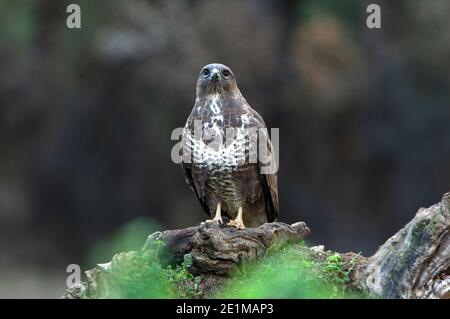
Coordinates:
(86, 117)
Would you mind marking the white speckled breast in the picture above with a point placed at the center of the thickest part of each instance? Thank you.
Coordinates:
(212, 149)
(216, 156)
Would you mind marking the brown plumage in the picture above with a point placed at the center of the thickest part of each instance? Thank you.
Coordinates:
(224, 179)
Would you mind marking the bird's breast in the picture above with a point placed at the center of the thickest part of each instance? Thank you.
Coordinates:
(218, 153)
(216, 135)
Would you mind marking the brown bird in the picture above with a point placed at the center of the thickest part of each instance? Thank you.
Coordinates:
(228, 178)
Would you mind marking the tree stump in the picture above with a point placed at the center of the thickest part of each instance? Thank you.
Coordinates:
(414, 263)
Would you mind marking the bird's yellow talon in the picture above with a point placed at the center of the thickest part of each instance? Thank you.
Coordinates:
(218, 217)
(238, 222)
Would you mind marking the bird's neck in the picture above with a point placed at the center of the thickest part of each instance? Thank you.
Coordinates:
(226, 98)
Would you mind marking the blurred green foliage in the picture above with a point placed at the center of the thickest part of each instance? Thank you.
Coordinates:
(291, 273)
(135, 275)
(18, 23)
(141, 275)
(128, 238)
(346, 10)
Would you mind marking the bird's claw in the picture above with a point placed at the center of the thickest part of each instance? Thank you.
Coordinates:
(236, 223)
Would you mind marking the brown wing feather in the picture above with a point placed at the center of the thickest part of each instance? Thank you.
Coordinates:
(270, 189)
(187, 170)
(196, 184)
(269, 181)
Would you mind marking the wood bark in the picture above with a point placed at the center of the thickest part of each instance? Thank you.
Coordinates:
(414, 263)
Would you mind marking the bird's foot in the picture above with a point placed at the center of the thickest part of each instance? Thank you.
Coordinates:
(239, 224)
(217, 217)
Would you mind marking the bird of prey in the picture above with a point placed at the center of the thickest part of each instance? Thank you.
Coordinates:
(221, 174)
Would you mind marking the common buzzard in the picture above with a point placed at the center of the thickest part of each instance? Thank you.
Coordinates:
(220, 139)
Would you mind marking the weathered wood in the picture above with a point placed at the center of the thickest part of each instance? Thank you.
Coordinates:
(414, 263)
(217, 249)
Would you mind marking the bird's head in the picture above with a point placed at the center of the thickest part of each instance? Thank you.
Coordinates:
(216, 78)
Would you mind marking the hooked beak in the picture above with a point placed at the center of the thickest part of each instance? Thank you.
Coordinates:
(215, 75)
(214, 84)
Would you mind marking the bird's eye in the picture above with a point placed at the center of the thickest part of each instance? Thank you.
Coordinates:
(205, 72)
(226, 73)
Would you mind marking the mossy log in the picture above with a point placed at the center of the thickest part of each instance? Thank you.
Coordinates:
(414, 263)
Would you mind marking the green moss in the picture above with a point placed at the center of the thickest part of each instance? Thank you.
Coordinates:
(135, 275)
(335, 266)
(292, 272)
(140, 274)
(184, 284)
